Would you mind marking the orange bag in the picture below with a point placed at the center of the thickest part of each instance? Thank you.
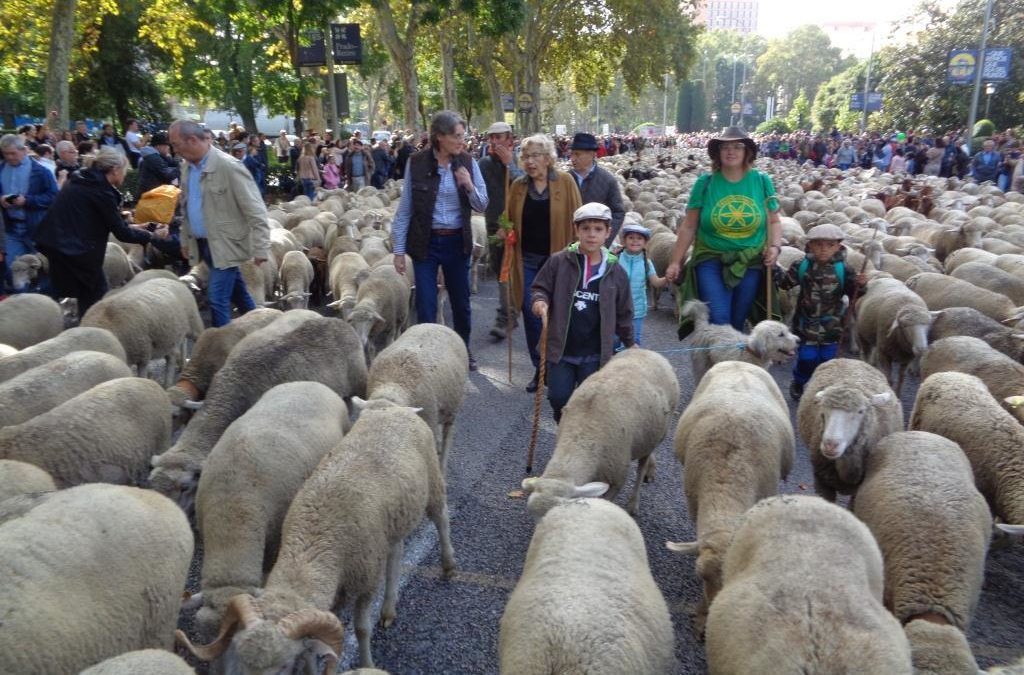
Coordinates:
(157, 205)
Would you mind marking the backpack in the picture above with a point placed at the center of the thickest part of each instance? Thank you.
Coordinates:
(840, 266)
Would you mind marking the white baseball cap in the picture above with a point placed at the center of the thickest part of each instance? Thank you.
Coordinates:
(592, 211)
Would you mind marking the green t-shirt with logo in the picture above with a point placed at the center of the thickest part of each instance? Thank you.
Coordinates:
(733, 216)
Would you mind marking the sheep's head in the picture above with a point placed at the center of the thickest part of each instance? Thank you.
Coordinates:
(544, 493)
(365, 321)
(25, 269)
(913, 322)
(267, 647)
(773, 341)
(843, 410)
(176, 477)
(296, 300)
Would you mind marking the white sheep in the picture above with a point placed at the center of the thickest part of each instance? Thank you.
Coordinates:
(373, 249)
(966, 255)
(28, 270)
(105, 434)
(769, 342)
(296, 275)
(892, 327)
(29, 318)
(94, 571)
(142, 662)
(970, 322)
(366, 496)
(426, 368)
(1003, 376)
(847, 407)
(72, 340)
(735, 443)
(586, 601)
(940, 291)
(152, 320)
(933, 528)
(118, 268)
(381, 309)
(275, 445)
(19, 478)
(802, 593)
(990, 277)
(45, 387)
(342, 274)
(959, 407)
(298, 346)
(616, 416)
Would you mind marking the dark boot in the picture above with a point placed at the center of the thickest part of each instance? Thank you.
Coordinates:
(796, 390)
(534, 383)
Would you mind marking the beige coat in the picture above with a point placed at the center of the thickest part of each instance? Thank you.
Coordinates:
(233, 213)
(565, 199)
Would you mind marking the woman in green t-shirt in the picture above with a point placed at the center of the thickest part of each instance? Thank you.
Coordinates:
(732, 220)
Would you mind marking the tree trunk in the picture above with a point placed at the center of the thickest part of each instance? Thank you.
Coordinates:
(401, 50)
(451, 101)
(62, 32)
(531, 85)
(299, 104)
(491, 77)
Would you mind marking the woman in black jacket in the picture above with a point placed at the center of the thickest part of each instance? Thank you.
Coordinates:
(74, 233)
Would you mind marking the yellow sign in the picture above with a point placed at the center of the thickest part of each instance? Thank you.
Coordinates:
(961, 66)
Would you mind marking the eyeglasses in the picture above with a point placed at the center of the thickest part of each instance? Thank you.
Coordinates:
(533, 155)
(733, 146)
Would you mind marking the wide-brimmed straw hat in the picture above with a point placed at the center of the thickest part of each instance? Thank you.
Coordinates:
(730, 134)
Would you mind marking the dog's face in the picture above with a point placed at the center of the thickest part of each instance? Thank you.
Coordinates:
(775, 341)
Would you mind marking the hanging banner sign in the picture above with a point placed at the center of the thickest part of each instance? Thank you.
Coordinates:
(346, 43)
(997, 64)
(311, 49)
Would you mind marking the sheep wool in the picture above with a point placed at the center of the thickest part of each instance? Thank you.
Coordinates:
(847, 407)
(586, 601)
(19, 478)
(72, 340)
(892, 327)
(1003, 377)
(972, 323)
(142, 662)
(802, 592)
(29, 318)
(57, 561)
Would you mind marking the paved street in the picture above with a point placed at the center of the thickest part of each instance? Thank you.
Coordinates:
(452, 626)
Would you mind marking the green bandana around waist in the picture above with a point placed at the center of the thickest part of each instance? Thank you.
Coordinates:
(734, 266)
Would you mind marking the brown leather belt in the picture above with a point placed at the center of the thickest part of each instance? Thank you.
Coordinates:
(446, 232)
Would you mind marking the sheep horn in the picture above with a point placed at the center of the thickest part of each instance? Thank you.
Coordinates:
(241, 609)
(686, 548)
(315, 623)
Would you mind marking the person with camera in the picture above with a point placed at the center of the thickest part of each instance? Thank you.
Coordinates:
(27, 189)
(73, 235)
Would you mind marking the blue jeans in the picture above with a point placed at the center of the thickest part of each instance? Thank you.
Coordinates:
(18, 242)
(309, 188)
(809, 357)
(638, 329)
(727, 305)
(531, 324)
(446, 253)
(226, 288)
(562, 378)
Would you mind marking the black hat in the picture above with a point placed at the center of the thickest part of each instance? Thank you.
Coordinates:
(584, 141)
(730, 134)
(159, 138)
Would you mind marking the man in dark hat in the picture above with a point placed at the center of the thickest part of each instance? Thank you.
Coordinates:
(595, 184)
(157, 167)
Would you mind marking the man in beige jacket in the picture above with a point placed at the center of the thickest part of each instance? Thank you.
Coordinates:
(225, 220)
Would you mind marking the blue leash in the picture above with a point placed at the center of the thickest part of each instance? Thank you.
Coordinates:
(680, 350)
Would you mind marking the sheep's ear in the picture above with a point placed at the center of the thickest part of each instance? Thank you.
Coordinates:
(895, 325)
(529, 484)
(358, 404)
(334, 305)
(595, 489)
(1015, 530)
(820, 395)
(936, 313)
(880, 399)
(1018, 336)
(192, 405)
(683, 547)
(1014, 401)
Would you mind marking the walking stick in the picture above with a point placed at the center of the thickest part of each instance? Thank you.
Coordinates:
(539, 394)
(508, 321)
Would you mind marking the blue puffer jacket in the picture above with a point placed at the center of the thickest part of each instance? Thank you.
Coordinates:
(42, 190)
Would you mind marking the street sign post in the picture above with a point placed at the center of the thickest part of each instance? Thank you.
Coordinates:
(874, 101)
(311, 51)
(346, 43)
(525, 101)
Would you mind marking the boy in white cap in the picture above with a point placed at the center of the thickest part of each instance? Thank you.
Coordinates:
(641, 273)
(824, 279)
(585, 294)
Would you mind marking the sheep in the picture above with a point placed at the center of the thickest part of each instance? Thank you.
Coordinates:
(19, 478)
(965, 235)
(846, 409)
(298, 346)
(343, 271)
(933, 527)
(966, 255)
(210, 352)
(426, 368)
(118, 268)
(634, 395)
(146, 275)
(586, 601)
(730, 459)
(282, 241)
(29, 270)
(260, 280)
(27, 319)
(373, 249)
(959, 407)
(71, 340)
(381, 309)
(364, 498)
(990, 277)
(57, 561)
(44, 387)
(802, 593)
(275, 445)
(892, 326)
(480, 251)
(769, 342)
(105, 434)
(152, 320)
(940, 291)
(1003, 376)
(972, 323)
(142, 662)
(296, 275)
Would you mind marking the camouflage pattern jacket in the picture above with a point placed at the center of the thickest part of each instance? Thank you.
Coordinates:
(819, 312)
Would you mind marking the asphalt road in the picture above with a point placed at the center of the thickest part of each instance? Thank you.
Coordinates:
(452, 626)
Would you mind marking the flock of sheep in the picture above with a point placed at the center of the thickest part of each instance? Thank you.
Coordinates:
(307, 447)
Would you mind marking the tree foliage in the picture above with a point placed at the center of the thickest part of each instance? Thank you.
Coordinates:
(801, 61)
(799, 115)
(832, 104)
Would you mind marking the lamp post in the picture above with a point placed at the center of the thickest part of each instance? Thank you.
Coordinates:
(990, 89)
(978, 69)
(732, 99)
